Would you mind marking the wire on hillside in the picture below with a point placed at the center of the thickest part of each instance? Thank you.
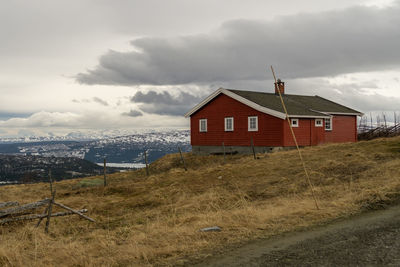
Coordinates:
(295, 141)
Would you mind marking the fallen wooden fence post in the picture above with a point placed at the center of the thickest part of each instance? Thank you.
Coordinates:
(74, 211)
(183, 160)
(25, 207)
(8, 204)
(39, 216)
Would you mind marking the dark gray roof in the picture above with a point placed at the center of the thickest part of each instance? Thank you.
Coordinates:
(295, 104)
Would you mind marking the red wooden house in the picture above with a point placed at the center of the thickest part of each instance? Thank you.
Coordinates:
(235, 117)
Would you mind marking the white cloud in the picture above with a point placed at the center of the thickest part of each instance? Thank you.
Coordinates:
(90, 120)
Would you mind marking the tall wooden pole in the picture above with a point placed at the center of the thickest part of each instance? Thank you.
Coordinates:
(295, 141)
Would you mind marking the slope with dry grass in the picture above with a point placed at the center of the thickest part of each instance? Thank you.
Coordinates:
(155, 220)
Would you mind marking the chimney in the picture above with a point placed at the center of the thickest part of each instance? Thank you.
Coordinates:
(279, 85)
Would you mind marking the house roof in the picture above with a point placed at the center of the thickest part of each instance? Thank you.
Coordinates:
(270, 103)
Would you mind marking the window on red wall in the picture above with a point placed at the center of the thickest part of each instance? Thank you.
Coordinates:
(318, 123)
(252, 123)
(328, 124)
(229, 124)
(203, 125)
(294, 122)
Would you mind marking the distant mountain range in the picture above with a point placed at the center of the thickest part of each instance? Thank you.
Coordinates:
(31, 160)
(27, 169)
(121, 149)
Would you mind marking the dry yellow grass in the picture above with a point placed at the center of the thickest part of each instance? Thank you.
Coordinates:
(155, 221)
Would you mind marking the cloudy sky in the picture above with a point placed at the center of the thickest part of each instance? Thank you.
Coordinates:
(82, 65)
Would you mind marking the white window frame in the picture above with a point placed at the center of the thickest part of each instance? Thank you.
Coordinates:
(249, 124)
(225, 122)
(330, 124)
(294, 120)
(200, 129)
(321, 123)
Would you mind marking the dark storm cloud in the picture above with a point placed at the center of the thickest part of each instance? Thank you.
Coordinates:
(164, 103)
(133, 113)
(305, 45)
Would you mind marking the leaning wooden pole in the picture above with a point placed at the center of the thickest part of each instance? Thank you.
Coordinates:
(295, 141)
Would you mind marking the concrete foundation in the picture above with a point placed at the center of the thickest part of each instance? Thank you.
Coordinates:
(207, 150)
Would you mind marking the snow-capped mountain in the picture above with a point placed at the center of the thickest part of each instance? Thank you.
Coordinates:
(116, 149)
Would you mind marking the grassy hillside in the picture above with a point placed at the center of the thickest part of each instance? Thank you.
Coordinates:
(156, 220)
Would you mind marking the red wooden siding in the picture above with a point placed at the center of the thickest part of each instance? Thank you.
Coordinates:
(269, 128)
(272, 131)
(307, 134)
(344, 129)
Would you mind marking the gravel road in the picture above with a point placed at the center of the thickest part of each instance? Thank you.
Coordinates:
(371, 239)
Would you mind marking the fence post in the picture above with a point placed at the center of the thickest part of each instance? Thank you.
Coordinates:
(223, 147)
(252, 147)
(147, 164)
(183, 160)
(50, 207)
(105, 173)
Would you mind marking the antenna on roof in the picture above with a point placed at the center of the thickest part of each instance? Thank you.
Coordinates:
(294, 138)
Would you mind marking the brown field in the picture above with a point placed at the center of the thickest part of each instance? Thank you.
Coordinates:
(156, 220)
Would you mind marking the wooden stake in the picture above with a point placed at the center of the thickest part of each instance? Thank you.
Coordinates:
(147, 164)
(223, 147)
(252, 147)
(370, 114)
(50, 207)
(384, 118)
(105, 172)
(41, 218)
(295, 141)
(53, 194)
(51, 183)
(183, 160)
